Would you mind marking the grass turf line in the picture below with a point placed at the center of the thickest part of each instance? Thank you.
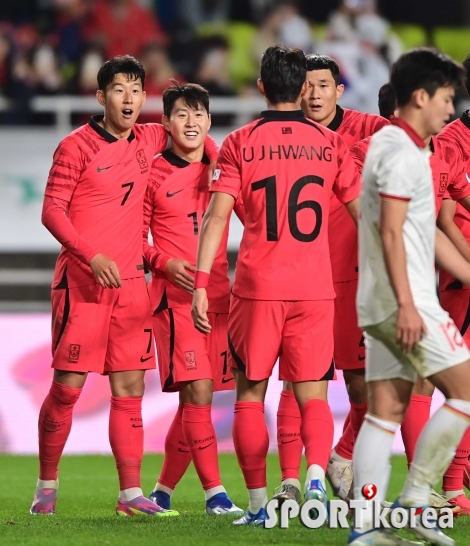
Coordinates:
(87, 499)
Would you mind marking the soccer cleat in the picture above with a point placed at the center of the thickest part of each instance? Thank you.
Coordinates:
(379, 537)
(315, 490)
(252, 519)
(460, 505)
(44, 501)
(221, 505)
(142, 506)
(340, 476)
(287, 492)
(161, 498)
(432, 535)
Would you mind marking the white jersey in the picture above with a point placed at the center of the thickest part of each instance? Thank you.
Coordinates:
(396, 166)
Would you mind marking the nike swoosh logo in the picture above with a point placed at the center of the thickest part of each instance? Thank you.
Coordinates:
(205, 447)
(168, 194)
(101, 169)
(142, 359)
(227, 380)
(468, 177)
(183, 450)
(361, 357)
(289, 441)
(137, 426)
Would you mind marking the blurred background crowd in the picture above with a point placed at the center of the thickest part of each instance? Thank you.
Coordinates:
(55, 47)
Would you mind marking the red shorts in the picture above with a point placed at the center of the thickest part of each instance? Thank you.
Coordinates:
(302, 331)
(184, 354)
(457, 304)
(102, 330)
(349, 352)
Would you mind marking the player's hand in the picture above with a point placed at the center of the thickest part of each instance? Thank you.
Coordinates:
(199, 310)
(178, 273)
(410, 327)
(106, 271)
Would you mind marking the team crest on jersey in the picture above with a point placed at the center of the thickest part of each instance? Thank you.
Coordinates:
(74, 353)
(142, 160)
(443, 182)
(190, 357)
(216, 174)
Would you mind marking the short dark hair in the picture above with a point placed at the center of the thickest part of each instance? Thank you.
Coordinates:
(193, 94)
(387, 100)
(283, 73)
(466, 65)
(424, 68)
(126, 65)
(323, 62)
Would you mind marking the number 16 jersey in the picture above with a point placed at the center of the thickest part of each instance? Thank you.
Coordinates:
(285, 167)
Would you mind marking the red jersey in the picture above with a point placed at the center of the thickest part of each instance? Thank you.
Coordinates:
(104, 179)
(285, 167)
(456, 137)
(176, 200)
(353, 126)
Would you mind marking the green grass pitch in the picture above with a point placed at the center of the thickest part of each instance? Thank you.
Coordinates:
(87, 498)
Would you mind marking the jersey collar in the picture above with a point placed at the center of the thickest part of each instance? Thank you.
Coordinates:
(465, 119)
(282, 115)
(337, 120)
(178, 161)
(409, 131)
(103, 133)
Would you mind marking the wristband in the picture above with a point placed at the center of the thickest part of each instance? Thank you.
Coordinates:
(201, 279)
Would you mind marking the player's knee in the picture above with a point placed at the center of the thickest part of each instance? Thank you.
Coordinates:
(198, 392)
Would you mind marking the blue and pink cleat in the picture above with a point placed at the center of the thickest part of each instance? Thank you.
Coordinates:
(141, 506)
(44, 501)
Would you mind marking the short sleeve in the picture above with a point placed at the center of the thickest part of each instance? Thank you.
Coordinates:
(396, 175)
(459, 179)
(358, 153)
(347, 185)
(64, 175)
(227, 178)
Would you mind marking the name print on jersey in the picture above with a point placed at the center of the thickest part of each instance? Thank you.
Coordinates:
(287, 152)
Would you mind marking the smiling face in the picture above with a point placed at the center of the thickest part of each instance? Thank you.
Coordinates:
(188, 127)
(122, 99)
(319, 103)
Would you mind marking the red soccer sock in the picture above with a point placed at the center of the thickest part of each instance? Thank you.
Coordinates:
(251, 440)
(200, 436)
(453, 478)
(55, 422)
(345, 445)
(126, 436)
(317, 431)
(289, 441)
(177, 455)
(347, 420)
(416, 416)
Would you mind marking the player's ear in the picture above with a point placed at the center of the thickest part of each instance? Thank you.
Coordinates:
(304, 90)
(420, 97)
(210, 121)
(339, 91)
(144, 97)
(100, 97)
(260, 86)
(166, 123)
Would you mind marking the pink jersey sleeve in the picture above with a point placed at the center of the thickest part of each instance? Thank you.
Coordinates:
(347, 186)
(158, 136)
(211, 148)
(67, 166)
(227, 178)
(156, 260)
(459, 183)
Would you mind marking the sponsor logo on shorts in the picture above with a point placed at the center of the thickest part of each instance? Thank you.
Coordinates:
(142, 359)
(142, 160)
(74, 353)
(190, 357)
(227, 380)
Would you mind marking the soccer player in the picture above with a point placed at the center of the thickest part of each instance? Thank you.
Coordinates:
(320, 105)
(284, 166)
(190, 362)
(100, 307)
(406, 330)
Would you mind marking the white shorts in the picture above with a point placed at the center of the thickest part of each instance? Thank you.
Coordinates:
(441, 348)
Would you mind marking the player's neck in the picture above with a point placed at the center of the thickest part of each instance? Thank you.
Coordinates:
(191, 156)
(325, 122)
(284, 106)
(412, 117)
(113, 130)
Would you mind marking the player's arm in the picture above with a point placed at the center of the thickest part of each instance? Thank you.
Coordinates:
(448, 257)
(347, 185)
(409, 326)
(445, 222)
(213, 227)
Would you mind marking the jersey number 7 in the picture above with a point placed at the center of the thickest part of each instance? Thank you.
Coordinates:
(293, 206)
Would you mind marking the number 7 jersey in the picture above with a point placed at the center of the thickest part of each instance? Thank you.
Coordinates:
(285, 167)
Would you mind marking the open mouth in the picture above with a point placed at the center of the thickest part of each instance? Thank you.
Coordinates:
(127, 113)
(314, 107)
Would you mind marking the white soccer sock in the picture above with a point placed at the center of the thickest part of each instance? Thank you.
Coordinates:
(291, 481)
(258, 499)
(130, 494)
(435, 450)
(371, 459)
(453, 494)
(209, 493)
(315, 472)
(47, 484)
(339, 458)
(163, 488)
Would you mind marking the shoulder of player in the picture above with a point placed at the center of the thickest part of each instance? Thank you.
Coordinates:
(370, 122)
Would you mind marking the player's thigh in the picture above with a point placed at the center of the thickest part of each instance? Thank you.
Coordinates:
(217, 346)
(349, 349)
(457, 304)
(130, 343)
(307, 342)
(80, 327)
(181, 349)
(254, 335)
